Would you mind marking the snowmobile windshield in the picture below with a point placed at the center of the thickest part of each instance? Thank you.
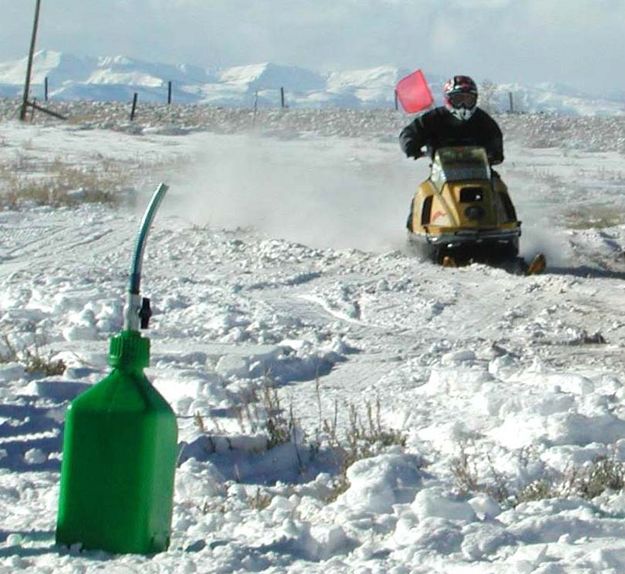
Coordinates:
(460, 163)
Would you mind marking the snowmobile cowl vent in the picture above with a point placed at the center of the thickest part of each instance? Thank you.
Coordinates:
(470, 194)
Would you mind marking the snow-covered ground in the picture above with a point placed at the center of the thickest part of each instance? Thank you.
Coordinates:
(277, 268)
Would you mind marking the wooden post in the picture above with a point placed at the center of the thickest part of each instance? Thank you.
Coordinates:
(169, 93)
(134, 106)
(511, 102)
(35, 106)
(255, 108)
(45, 89)
(282, 98)
(29, 66)
(396, 101)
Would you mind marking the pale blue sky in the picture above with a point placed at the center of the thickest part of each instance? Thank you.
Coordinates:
(576, 42)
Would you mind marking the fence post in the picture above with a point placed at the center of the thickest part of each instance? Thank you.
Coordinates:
(134, 106)
(255, 108)
(45, 89)
(29, 65)
(169, 93)
(511, 102)
(282, 103)
(396, 101)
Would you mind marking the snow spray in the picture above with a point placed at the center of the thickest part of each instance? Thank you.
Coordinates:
(120, 444)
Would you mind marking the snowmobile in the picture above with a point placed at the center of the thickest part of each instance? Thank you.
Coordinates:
(463, 213)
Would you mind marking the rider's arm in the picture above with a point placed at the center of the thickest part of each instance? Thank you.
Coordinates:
(494, 142)
(495, 152)
(412, 139)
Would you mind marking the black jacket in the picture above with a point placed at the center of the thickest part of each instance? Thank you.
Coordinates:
(439, 128)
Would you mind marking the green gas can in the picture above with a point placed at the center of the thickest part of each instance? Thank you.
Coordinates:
(120, 447)
(120, 443)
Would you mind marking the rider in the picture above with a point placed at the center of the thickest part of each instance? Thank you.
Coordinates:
(458, 122)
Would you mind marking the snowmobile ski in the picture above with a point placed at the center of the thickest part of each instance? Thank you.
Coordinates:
(537, 265)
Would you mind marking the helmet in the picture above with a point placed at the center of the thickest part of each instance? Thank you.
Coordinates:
(460, 93)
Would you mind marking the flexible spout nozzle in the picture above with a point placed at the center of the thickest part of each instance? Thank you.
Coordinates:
(135, 307)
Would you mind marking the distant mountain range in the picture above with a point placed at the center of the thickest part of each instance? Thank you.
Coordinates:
(117, 78)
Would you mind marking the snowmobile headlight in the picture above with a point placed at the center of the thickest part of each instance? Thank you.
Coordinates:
(474, 212)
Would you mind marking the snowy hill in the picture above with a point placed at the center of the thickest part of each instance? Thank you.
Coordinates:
(117, 78)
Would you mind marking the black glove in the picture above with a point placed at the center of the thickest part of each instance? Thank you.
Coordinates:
(414, 152)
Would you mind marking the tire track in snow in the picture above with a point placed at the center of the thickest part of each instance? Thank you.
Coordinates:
(39, 244)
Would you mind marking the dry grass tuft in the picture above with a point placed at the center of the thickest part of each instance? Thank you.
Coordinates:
(593, 217)
(362, 439)
(31, 358)
(603, 474)
(62, 184)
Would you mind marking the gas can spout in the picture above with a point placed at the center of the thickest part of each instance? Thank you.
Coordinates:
(136, 313)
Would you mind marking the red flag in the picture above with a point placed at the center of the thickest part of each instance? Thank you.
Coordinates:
(413, 93)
